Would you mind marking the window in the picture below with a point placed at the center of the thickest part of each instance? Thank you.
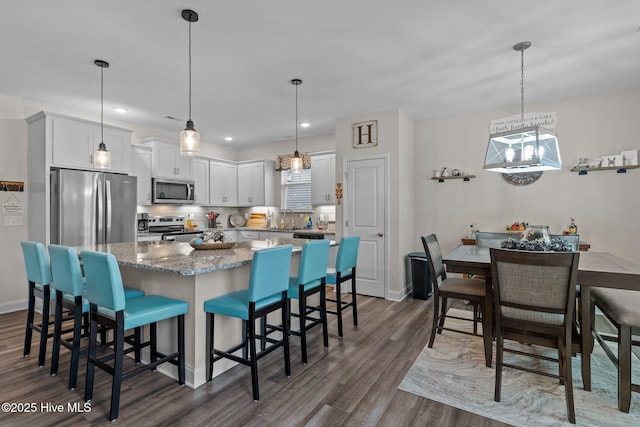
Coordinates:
(295, 190)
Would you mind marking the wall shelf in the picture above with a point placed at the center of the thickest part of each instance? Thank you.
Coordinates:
(618, 169)
(442, 179)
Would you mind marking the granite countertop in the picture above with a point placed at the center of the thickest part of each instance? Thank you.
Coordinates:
(180, 258)
(280, 230)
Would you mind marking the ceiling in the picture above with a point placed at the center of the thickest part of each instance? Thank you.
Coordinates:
(430, 58)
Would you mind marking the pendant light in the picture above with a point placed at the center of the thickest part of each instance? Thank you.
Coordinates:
(101, 157)
(189, 137)
(527, 149)
(296, 159)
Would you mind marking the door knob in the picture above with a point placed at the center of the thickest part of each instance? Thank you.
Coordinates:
(380, 234)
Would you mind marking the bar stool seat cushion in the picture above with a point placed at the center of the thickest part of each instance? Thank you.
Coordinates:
(294, 286)
(332, 275)
(150, 309)
(236, 304)
(621, 304)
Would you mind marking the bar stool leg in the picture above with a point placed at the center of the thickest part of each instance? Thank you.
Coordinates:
(353, 298)
(75, 348)
(286, 320)
(118, 344)
(254, 362)
(339, 305)
(181, 361)
(302, 309)
(44, 329)
(30, 315)
(210, 346)
(57, 332)
(323, 314)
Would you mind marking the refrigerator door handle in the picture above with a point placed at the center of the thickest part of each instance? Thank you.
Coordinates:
(108, 207)
(99, 238)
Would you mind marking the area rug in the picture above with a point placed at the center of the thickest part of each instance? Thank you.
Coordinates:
(453, 372)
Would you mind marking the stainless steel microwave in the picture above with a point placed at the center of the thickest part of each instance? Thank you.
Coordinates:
(173, 191)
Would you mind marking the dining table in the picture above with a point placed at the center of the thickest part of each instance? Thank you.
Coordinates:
(595, 269)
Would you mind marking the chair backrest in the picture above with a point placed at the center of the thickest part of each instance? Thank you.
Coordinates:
(36, 262)
(571, 239)
(534, 286)
(347, 253)
(313, 261)
(487, 239)
(104, 283)
(434, 256)
(65, 270)
(269, 272)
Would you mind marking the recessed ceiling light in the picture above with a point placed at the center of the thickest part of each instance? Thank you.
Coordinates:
(120, 110)
(228, 138)
(305, 124)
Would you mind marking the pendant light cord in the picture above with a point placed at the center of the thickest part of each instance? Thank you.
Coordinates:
(102, 104)
(189, 70)
(522, 84)
(296, 118)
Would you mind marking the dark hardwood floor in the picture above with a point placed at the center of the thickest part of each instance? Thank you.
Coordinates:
(354, 383)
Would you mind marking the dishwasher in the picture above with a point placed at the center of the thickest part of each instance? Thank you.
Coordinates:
(308, 235)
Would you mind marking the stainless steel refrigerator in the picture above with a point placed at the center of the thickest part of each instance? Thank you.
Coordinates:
(89, 208)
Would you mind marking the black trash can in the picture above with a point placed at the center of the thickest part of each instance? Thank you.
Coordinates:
(420, 275)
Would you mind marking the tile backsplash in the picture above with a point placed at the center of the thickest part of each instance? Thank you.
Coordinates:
(324, 215)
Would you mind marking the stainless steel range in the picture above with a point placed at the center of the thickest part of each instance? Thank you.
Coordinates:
(172, 228)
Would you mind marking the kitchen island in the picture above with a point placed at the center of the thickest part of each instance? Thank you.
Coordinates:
(177, 270)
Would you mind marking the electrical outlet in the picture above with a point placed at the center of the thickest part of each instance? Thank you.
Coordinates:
(12, 220)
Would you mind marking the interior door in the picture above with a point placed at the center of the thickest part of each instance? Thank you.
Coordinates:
(365, 207)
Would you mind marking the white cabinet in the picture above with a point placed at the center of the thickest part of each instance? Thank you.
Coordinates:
(167, 160)
(323, 179)
(201, 179)
(256, 184)
(74, 141)
(142, 158)
(223, 188)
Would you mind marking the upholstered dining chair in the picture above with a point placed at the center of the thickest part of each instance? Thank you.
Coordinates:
(267, 293)
(345, 270)
(620, 306)
(70, 286)
(534, 298)
(38, 268)
(109, 307)
(486, 239)
(445, 288)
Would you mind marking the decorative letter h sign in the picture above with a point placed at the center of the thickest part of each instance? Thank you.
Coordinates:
(365, 134)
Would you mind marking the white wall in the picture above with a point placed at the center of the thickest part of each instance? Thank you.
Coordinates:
(605, 204)
(13, 167)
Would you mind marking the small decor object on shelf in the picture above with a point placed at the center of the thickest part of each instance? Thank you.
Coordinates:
(572, 228)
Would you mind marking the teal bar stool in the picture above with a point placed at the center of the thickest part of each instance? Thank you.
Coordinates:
(346, 262)
(69, 288)
(108, 307)
(311, 279)
(267, 292)
(38, 269)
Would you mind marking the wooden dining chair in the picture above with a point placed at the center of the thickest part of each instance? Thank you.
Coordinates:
(620, 306)
(444, 288)
(534, 298)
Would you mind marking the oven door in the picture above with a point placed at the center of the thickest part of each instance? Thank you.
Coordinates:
(169, 191)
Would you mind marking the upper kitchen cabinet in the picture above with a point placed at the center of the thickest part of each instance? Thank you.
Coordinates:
(201, 178)
(142, 159)
(167, 160)
(323, 179)
(73, 142)
(256, 183)
(223, 183)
